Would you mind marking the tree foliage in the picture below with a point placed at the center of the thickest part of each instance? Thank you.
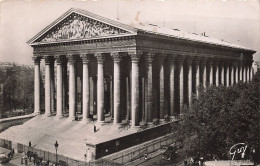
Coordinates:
(18, 89)
(221, 117)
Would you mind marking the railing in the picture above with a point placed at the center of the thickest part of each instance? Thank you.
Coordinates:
(139, 151)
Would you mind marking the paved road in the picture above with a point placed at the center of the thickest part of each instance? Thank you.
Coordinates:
(157, 161)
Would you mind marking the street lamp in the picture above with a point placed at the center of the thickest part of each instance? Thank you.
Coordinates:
(56, 147)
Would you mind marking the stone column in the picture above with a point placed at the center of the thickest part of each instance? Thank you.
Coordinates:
(203, 72)
(72, 87)
(210, 67)
(85, 88)
(196, 62)
(246, 74)
(173, 67)
(181, 59)
(48, 60)
(236, 73)
(161, 58)
(222, 73)
(135, 58)
(117, 72)
(216, 64)
(243, 73)
(231, 74)
(240, 73)
(149, 87)
(65, 85)
(59, 87)
(37, 87)
(52, 86)
(189, 61)
(100, 87)
(249, 73)
(227, 74)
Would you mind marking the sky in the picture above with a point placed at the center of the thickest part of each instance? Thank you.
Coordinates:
(235, 21)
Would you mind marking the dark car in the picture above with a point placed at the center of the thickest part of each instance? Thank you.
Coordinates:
(170, 153)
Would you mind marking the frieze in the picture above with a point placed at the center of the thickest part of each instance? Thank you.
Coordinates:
(84, 45)
(77, 26)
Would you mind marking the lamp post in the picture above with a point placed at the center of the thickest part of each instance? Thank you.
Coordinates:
(56, 147)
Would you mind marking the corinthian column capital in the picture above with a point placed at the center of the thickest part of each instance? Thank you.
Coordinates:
(189, 60)
(149, 57)
(85, 58)
(172, 58)
(203, 61)
(100, 57)
(59, 59)
(48, 60)
(135, 55)
(36, 60)
(116, 56)
(72, 59)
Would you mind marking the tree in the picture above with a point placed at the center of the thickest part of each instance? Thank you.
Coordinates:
(18, 89)
(221, 117)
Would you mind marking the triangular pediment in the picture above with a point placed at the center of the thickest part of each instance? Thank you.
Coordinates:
(79, 24)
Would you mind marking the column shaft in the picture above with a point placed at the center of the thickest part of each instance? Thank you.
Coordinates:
(211, 78)
(37, 92)
(135, 56)
(172, 84)
(217, 74)
(181, 82)
(100, 87)
(149, 86)
(231, 75)
(222, 74)
(47, 86)
(161, 84)
(117, 102)
(197, 70)
(52, 87)
(227, 76)
(59, 87)
(189, 86)
(72, 88)
(85, 89)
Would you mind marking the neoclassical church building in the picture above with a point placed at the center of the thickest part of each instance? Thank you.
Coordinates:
(97, 68)
(139, 72)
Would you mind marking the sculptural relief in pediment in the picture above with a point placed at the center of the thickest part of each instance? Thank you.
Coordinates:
(77, 26)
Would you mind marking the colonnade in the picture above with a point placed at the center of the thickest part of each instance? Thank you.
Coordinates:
(185, 74)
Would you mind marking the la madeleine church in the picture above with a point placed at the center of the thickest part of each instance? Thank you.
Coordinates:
(97, 68)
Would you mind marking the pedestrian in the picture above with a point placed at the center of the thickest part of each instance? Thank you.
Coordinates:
(95, 128)
(185, 162)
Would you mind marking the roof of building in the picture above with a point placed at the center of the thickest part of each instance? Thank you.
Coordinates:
(149, 28)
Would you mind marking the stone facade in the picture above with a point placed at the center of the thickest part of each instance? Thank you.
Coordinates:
(132, 73)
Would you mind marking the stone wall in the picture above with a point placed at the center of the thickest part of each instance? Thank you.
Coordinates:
(13, 121)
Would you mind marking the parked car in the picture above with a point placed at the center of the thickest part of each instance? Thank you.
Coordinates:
(170, 153)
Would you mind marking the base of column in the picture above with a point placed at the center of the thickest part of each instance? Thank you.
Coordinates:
(85, 120)
(36, 113)
(100, 122)
(71, 118)
(116, 124)
(58, 116)
(134, 128)
(47, 114)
